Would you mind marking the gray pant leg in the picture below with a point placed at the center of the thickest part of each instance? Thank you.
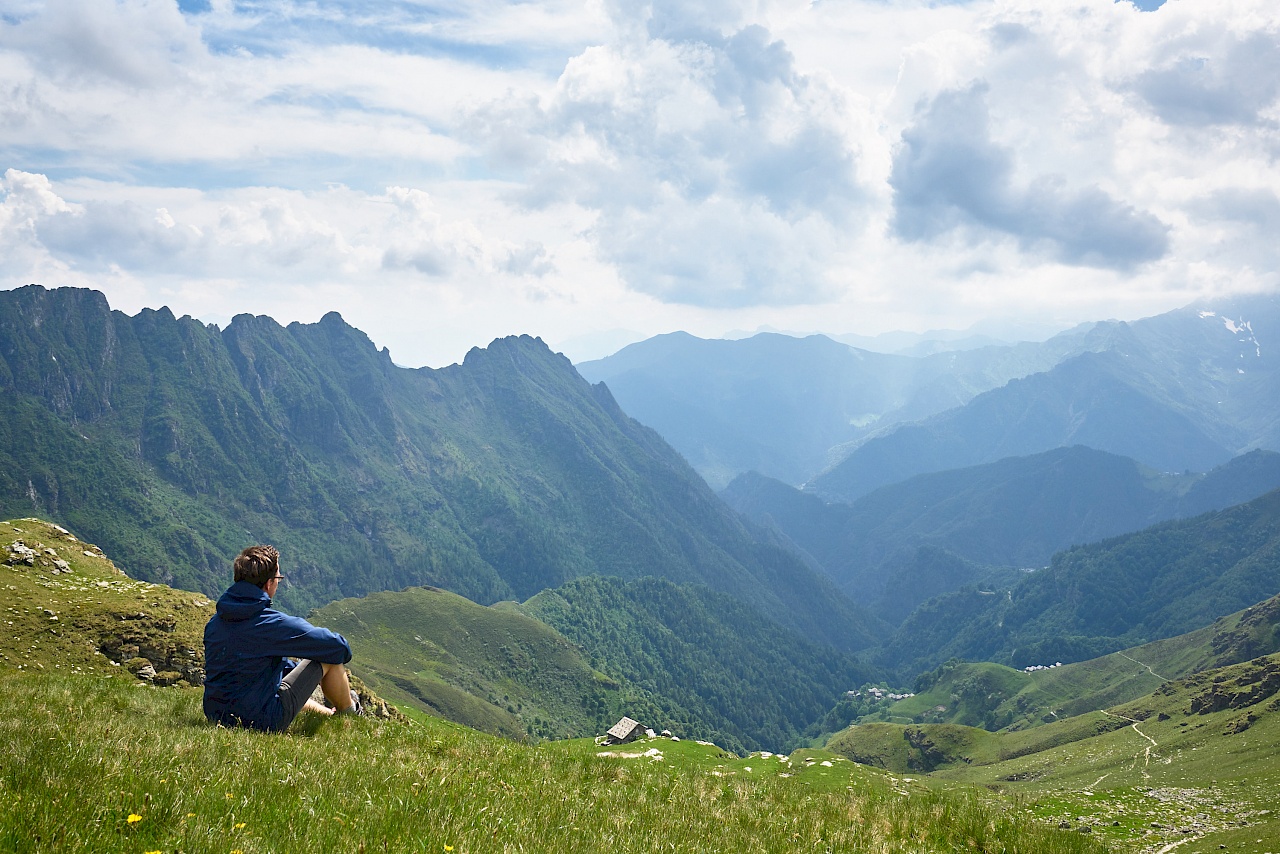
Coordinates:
(296, 688)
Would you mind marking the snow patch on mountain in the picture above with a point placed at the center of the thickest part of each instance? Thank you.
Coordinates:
(1242, 328)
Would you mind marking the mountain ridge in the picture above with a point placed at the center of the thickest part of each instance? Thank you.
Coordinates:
(175, 444)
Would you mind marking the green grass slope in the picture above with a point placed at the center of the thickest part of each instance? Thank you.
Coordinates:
(92, 764)
(1194, 764)
(493, 669)
(66, 608)
(995, 697)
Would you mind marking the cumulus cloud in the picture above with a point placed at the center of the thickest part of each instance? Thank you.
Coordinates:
(423, 240)
(141, 43)
(258, 235)
(714, 162)
(719, 173)
(100, 234)
(949, 175)
(1215, 77)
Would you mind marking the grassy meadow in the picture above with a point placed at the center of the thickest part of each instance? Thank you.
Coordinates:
(1193, 766)
(95, 764)
(96, 754)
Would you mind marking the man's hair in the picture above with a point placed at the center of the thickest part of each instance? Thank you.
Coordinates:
(257, 564)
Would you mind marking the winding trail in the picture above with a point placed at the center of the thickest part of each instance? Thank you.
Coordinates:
(1147, 753)
(1144, 664)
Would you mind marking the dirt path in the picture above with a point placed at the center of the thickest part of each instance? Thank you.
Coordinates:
(1146, 753)
(1144, 664)
(1180, 842)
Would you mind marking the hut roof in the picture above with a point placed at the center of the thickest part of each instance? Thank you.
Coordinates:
(623, 729)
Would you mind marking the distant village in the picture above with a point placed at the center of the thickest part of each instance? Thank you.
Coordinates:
(877, 694)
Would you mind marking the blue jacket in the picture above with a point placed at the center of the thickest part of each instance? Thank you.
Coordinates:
(245, 644)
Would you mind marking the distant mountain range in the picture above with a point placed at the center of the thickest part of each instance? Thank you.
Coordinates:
(175, 444)
(1185, 390)
(787, 407)
(901, 544)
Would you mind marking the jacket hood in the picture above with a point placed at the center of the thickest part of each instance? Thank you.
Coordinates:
(242, 601)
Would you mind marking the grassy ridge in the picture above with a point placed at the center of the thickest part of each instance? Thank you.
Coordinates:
(82, 756)
(493, 669)
(71, 610)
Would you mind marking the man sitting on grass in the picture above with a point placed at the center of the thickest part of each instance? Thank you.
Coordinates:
(249, 680)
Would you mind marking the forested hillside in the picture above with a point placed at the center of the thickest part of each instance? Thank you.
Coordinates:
(718, 671)
(1156, 583)
(174, 444)
(903, 543)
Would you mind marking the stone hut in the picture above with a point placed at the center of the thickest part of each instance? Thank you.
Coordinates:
(624, 731)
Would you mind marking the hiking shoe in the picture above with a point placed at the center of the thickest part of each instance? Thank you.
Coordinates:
(355, 709)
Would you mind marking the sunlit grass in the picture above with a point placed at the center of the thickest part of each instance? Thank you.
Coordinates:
(94, 764)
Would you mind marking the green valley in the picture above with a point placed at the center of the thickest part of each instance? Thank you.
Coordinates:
(1195, 763)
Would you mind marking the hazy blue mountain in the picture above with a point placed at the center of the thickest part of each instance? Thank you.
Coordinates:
(1162, 581)
(903, 543)
(174, 444)
(1186, 390)
(786, 406)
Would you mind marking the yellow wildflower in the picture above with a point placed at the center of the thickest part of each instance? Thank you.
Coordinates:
(240, 825)
(134, 818)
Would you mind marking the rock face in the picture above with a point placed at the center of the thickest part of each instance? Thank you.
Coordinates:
(19, 554)
(138, 651)
(1259, 682)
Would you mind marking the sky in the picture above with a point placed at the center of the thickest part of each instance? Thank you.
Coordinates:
(596, 172)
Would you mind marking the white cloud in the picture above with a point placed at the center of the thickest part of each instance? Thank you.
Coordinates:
(720, 175)
(562, 167)
(948, 174)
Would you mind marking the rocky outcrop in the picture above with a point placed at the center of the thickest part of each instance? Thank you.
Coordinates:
(1259, 681)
